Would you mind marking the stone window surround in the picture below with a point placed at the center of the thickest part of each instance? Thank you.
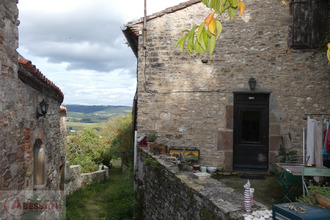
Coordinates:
(40, 144)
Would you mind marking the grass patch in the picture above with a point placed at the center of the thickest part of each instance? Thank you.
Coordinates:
(112, 199)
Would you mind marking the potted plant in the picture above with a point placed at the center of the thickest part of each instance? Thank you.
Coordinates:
(151, 140)
(152, 137)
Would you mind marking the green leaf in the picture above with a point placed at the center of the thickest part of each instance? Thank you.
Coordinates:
(211, 4)
(219, 28)
(198, 48)
(181, 41)
(222, 6)
(199, 31)
(178, 42)
(211, 44)
(227, 5)
(217, 6)
(233, 3)
(214, 4)
(206, 2)
(209, 34)
(232, 12)
(204, 40)
(191, 38)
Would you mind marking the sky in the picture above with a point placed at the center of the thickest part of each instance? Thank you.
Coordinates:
(79, 45)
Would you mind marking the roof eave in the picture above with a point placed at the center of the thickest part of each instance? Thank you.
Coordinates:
(132, 39)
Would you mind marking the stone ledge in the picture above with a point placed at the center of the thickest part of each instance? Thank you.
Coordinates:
(76, 180)
(222, 202)
(202, 176)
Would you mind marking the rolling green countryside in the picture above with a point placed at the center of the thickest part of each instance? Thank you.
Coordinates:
(92, 116)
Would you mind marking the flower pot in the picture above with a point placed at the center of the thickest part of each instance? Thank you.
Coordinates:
(196, 167)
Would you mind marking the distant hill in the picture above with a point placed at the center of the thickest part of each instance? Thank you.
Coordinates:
(88, 109)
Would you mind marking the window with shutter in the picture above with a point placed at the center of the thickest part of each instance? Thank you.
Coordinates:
(309, 23)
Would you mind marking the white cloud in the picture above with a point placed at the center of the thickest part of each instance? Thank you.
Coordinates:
(78, 44)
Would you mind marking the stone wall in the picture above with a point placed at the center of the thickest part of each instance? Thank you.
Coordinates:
(190, 103)
(164, 192)
(30, 147)
(75, 180)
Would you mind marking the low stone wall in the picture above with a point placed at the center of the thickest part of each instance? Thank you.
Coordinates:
(165, 192)
(75, 180)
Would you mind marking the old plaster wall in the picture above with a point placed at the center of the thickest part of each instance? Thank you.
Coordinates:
(22, 88)
(190, 103)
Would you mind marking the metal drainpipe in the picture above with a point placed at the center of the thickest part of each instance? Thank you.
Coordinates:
(145, 24)
(145, 43)
(145, 54)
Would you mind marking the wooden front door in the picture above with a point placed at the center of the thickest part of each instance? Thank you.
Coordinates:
(251, 131)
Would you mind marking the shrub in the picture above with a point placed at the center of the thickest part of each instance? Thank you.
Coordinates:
(118, 135)
(310, 199)
(91, 148)
(85, 149)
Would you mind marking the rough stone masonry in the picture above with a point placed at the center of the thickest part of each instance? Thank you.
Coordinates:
(189, 100)
(165, 192)
(32, 148)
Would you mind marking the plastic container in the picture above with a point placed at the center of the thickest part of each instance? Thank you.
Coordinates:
(211, 169)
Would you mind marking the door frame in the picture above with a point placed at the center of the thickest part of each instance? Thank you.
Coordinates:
(249, 102)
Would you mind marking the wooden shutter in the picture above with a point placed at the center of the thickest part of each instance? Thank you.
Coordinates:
(309, 23)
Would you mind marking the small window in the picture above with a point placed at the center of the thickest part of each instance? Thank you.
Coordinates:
(39, 163)
(250, 126)
(309, 23)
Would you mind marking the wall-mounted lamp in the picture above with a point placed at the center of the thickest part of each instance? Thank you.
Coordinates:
(43, 107)
(252, 83)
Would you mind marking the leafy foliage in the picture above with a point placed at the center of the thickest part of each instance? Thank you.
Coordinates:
(118, 136)
(286, 155)
(204, 39)
(85, 149)
(309, 198)
(91, 148)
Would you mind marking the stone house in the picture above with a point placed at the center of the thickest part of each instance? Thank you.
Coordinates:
(206, 102)
(32, 142)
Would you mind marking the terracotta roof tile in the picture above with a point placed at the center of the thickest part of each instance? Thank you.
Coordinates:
(28, 66)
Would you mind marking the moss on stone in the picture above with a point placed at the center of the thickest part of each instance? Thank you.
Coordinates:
(149, 160)
(205, 214)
